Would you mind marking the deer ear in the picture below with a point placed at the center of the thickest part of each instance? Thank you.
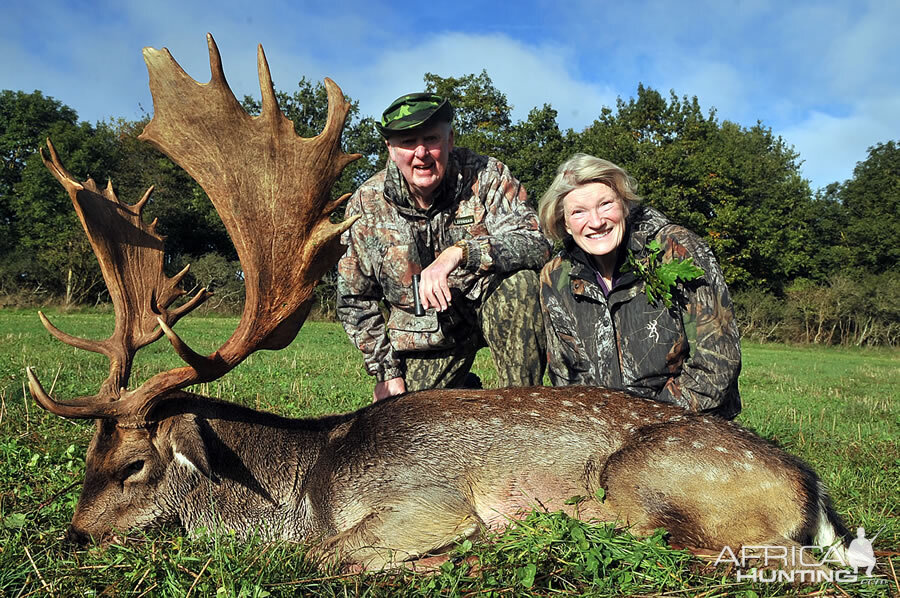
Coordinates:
(188, 448)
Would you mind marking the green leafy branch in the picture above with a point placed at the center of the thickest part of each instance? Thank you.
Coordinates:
(660, 277)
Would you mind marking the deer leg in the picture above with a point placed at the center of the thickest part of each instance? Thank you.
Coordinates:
(610, 511)
(432, 564)
(415, 533)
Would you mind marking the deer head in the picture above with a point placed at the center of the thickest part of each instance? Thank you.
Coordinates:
(272, 191)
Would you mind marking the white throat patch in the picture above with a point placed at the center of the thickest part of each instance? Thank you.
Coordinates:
(184, 461)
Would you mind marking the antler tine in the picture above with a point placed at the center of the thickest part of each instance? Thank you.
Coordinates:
(81, 408)
(202, 295)
(269, 109)
(56, 168)
(191, 357)
(270, 187)
(75, 341)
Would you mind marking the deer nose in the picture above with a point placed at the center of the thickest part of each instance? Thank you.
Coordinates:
(76, 536)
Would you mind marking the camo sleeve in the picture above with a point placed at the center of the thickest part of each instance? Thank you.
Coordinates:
(358, 300)
(567, 363)
(708, 380)
(514, 240)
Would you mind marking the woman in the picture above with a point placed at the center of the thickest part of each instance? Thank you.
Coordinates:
(604, 326)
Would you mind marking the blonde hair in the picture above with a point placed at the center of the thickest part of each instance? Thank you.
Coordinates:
(579, 170)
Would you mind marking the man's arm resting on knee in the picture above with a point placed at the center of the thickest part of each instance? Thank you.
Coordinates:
(434, 289)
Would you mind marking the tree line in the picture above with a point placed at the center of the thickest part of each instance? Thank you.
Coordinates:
(803, 265)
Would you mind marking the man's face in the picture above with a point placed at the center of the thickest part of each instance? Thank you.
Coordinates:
(421, 155)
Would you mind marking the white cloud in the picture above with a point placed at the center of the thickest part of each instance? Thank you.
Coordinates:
(861, 49)
(831, 145)
(529, 75)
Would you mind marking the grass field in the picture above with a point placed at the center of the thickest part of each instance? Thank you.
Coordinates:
(837, 409)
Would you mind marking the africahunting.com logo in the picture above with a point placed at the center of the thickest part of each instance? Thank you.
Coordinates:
(790, 564)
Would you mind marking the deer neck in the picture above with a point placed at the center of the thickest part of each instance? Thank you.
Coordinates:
(258, 464)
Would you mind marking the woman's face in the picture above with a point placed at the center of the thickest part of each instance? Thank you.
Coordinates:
(595, 217)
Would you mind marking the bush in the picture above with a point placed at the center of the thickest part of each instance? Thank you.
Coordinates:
(846, 310)
(760, 315)
(224, 278)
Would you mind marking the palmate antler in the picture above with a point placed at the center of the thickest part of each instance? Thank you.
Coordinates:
(272, 190)
(130, 253)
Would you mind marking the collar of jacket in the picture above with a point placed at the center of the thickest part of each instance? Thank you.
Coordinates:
(396, 189)
(642, 225)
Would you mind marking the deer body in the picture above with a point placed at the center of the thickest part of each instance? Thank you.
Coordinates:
(412, 475)
(396, 480)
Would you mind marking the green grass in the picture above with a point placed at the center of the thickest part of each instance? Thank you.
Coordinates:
(835, 408)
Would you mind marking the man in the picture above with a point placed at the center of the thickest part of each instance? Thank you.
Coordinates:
(459, 220)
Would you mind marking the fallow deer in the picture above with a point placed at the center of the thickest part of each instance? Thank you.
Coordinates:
(399, 479)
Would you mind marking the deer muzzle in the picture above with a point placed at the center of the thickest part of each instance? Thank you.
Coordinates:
(76, 536)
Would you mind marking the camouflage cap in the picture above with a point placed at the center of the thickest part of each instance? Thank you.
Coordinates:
(414, 110)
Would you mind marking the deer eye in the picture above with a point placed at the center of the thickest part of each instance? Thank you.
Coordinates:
(132, 469)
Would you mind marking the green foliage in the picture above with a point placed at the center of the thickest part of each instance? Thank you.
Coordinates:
(25, 119)
(737, 187)
(871, 202)
(533, 150)
(46, 225)
(482, 113)
(223, 277)
(660, 276)
(827, 220)
(186, 217)
(552, 552)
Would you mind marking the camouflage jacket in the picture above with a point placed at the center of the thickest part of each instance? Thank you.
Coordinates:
(479, 202)
(689, 354)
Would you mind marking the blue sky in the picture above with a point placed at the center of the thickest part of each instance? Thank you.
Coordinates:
(823, 75)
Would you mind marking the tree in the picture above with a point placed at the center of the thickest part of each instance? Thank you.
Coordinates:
(871, 200)
(827, 221)
(533, 149)
(186, 216)
(759, 213)
(481, 113)
(25, 120)
(482, 122)
(41, 242)
(48, 230)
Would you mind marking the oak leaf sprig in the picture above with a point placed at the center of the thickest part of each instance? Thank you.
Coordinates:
(660, 277)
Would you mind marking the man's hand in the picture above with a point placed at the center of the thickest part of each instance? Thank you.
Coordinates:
(434, 290)
(388, 388)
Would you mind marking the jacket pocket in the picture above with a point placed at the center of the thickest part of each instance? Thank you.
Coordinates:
(409, 332)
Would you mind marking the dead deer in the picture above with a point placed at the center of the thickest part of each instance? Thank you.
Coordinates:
(403, 478)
